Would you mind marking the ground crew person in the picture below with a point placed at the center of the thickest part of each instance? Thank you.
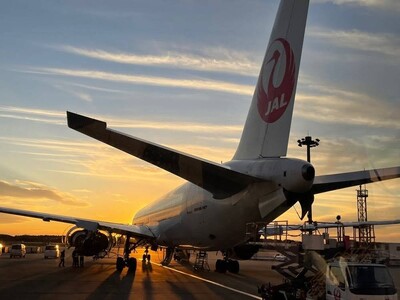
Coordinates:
(62, 259)
(75, 259)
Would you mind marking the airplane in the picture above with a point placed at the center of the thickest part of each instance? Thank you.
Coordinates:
(211, 210)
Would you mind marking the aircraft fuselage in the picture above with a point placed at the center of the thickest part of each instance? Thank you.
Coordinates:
(189, 216)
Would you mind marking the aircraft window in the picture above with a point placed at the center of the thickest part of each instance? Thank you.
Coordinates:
(369, 276)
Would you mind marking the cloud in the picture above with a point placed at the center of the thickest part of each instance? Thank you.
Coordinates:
(83, 96)
(341, 154)
(30, 191)
(94, 88)
(33, 114)
(210, 85)
(32, 111)
(58, 117)
(97, 160)
(389, 5)
(229, 62)
(330, 104)
(381, 43)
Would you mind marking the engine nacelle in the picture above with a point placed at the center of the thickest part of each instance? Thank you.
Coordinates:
(293, 175)
(89, 243)
(244, 252)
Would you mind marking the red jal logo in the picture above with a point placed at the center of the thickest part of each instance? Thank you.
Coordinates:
(273, 102)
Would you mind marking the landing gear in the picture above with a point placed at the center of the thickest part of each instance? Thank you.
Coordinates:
(132, 263)
(120, 264)
(233, 266)
(226, 264)
(221, 266)
(169, 253)
(146, 255)
(127, 261)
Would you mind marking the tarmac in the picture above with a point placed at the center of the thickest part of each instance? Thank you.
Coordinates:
(34, 277)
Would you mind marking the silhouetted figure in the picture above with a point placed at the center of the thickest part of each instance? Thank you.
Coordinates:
(75, 259)
(62, 259)
(81, 259)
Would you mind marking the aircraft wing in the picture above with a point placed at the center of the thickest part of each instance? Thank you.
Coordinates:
(218, 179)
(132, 230)
(332, 182)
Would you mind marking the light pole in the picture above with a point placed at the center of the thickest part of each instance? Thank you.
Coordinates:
(310, 143)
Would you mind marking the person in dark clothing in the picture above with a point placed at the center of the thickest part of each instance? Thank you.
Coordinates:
(75, 259)
(81, 259)
(62, 259)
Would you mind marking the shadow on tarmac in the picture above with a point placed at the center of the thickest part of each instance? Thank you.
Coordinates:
(115, 285)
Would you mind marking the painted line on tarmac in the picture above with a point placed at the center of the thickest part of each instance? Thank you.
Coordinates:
(209, 281)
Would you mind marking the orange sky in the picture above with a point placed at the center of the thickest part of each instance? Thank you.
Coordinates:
(112, 186)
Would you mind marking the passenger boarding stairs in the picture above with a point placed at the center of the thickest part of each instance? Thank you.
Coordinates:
(201, 262)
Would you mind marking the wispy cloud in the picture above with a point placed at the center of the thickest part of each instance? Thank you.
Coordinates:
(59, 117)
(382, 43)
(94, 88)
(211, 85)
(31, 190)
(32, 111)
(33, 114)
(390, 5)
(228, 63)
(329, 104)
(81, 95)
(94, 159)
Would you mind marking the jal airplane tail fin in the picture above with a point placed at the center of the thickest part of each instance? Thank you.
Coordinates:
(266, 132)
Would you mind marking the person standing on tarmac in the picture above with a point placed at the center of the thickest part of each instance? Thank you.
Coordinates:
(81, 259)
(62, 259)
(75, 259)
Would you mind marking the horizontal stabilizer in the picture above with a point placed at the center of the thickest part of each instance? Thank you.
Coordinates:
(333, 182)
(218, 179)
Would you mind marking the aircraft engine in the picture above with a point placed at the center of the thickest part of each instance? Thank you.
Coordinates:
(244, 252)
(89, 243)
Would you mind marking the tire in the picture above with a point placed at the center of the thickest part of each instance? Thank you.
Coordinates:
(120, 264)
(132, 264)
(221, 266)
(233, 266)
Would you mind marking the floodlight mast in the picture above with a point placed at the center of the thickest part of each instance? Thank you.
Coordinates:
(310, 143)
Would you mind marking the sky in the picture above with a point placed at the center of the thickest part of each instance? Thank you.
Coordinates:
(182, 74)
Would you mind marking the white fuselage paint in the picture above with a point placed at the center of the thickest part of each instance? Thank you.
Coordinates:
(190, 217)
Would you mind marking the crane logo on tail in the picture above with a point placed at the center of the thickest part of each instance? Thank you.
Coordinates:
(279, 65)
